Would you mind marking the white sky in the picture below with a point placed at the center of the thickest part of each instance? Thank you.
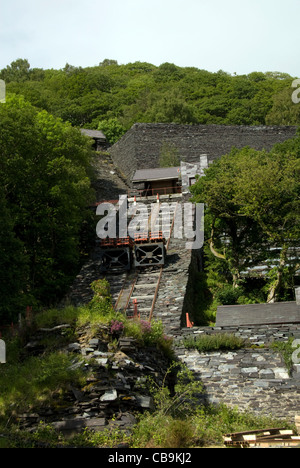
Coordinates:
(237, 36)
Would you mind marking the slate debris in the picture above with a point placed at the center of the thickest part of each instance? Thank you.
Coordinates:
(115, 389)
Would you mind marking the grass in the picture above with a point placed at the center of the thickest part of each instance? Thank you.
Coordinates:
(219, 341)
(33, 382)
(205, 427)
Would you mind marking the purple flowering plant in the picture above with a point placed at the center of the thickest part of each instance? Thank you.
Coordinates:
(145, 326)
(116, 327)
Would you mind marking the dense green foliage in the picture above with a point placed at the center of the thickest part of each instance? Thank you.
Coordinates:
(45, 191)
(45, 161)
(113, 97)
(252, 216)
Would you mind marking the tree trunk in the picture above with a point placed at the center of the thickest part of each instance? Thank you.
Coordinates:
(275, 286)
(211, 244)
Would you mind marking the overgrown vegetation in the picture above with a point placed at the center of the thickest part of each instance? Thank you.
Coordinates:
(177, 420)
(45, 180)
(32, 381)
(286, 350)
(218, 341)
(252, 218)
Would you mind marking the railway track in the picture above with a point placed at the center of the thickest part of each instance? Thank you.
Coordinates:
(140, 286)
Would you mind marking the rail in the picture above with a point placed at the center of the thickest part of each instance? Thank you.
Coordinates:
(150, 192)
(127, 290)
(161, 268)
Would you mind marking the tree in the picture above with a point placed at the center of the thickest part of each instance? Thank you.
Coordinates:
(108, 63)
(270, 196)
(13, 267)
(142, 92)
(169, 155)
(233, 239)
(44, 172)
(19, 70)
(284, 110)
(171, 106)
(253, 205)
(112, 129)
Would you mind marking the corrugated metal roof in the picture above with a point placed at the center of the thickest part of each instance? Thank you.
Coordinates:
(161, 173)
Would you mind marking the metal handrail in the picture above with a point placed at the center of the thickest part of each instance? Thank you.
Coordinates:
(150, 192)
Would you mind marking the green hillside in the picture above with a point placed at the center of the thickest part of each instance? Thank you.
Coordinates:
(46, 164)
(113, 97)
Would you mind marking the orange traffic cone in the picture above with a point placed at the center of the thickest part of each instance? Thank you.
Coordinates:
(189, 324)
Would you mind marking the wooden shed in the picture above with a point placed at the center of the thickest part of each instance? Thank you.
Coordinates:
(162, 181)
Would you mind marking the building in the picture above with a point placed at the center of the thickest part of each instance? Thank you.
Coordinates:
(161, 181)
(140, 148)
(100, 142)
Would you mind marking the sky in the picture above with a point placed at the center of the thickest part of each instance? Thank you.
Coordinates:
(237, 36)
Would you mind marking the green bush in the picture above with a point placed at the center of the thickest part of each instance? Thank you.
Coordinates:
(229, 295)
(286, 350)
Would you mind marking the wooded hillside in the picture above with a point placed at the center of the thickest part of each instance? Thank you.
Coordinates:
(113, 97)
(45, 163)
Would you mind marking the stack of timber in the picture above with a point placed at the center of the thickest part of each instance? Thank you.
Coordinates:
(265, 438)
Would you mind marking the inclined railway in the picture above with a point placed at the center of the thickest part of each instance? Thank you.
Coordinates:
(138, 263)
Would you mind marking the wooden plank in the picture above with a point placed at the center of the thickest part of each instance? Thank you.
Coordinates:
(288, 435)
(261, 436)
(148, 285)
(256, 431)
(282, 442)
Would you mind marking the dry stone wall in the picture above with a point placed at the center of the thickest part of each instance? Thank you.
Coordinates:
(253, 379)
(140, 147)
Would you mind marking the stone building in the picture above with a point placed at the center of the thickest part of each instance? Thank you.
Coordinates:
(141, 146)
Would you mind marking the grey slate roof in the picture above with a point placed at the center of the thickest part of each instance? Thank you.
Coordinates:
(97, 134)
(258, 314)
(161, 173)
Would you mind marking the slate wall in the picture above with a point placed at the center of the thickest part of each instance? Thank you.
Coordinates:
(140, 147)
(253, 379)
